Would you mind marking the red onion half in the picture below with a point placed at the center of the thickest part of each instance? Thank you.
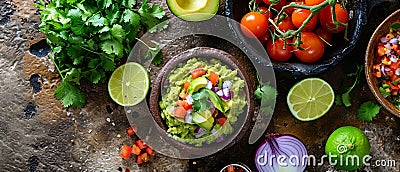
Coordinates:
(281, 153)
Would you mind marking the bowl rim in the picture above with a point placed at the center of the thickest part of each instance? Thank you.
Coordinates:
(372, 83)
(215, 54)
(299, 69)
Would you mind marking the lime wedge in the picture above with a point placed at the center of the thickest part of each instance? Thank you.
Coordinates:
(310, 99)
(129, 84)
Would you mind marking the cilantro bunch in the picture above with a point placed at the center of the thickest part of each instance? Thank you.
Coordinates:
(89, 38)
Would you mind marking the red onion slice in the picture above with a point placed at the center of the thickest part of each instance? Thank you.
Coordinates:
(292, 150)
(200, 133)
(384, 40)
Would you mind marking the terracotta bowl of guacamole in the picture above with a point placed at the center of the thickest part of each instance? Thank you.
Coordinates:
(202, 99)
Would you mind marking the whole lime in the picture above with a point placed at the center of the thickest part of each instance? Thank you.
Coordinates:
(348, 148)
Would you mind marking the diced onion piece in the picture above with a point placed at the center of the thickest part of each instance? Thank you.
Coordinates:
(227, 84)
(384, 40)
(188, 117)
(383, 70)
(209, 85)
(397, 72)
(394, 41)
(200, 133)
(220, 139)
(220, 93)
(393, 58)
(189, 99)
(215, 89)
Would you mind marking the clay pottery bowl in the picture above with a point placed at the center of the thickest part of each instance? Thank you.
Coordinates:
(380, 32)
(204, 53)
(332, 55)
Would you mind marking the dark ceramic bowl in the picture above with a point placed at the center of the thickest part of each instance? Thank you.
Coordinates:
(205, 53)
(332, 56)
(381, 31)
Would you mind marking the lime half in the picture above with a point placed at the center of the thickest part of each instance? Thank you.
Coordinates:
(310, 99)
(129, 84)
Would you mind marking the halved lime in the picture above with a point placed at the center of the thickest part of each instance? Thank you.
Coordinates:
(129, 84)
(310, 99)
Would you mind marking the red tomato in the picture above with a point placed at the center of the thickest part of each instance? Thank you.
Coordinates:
(125, 152)
(256, 23)
(265, 11)
(286, 24)
(213, 78)
(326, 21)
(135, 149)
(276, 51)
(179, 112)
(323, 34)
(258, 1)
(140, 144)
(290, 10)
(313, 2)
(313, 48)
(264, 39)
(130, 131)
(149, 150)
(300, 15)
(184, 104)
(277, 6)
(198, 72)
(186, 86)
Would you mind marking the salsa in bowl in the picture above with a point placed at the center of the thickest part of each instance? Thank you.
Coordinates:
(382, 66)
(203, 98)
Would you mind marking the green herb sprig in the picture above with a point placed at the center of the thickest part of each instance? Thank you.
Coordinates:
(89, 38)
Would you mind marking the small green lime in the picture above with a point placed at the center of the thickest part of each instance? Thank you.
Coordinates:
(348, 147)
(129, 83)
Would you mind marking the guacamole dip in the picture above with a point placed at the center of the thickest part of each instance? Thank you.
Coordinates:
(202, 101)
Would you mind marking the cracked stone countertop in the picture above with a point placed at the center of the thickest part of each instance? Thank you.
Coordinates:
(38, 134)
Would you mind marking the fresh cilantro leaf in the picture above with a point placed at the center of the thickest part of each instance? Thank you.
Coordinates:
(118, 32)
(104, 3)
(130, 17)
(70, 95)
(94, 75)
(75, 14)
(202, 94)
(129, 3)
(113, 17)
(367, 111)
(97, 20)
(108, 65)
(201, 105)
(338, 100)
(152, 53)
(345, 97)
(112, 47)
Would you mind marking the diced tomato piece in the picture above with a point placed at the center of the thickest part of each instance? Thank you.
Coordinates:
(186, 86)
(394, 66)
(130, 131)
(230, 168)
(394, 93)
(179, 112)
(386, 61)
(127, 170)
(213, 78)
(198, 72)
(149, 151)
(140, 144)
(393, 87)
(183, 96)
(135, 149)
(395, 47)
(125, 152)
(184, 104)
(144, 157)
(221, 121)
(389, 73)
(376, 71)
(139, 160)
(381, 50)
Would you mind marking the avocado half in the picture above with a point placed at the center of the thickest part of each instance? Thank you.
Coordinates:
(193, 10)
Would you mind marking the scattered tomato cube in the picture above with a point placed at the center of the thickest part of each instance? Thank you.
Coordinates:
(149, 150)
(135, 149)
(221, 121)
(179, 112)
(144, 157)
(126, 152)
(140, 144)
(130, 131)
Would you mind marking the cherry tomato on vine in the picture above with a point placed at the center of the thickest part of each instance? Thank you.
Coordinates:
(286, 24)
(256, 23)
(326, 21)
(313, 2)
(277, 52)
(323, 34)
(265, 11)
(264, 39)
(313, 48)
(290, 10)
(277, 6)
(300, 15)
